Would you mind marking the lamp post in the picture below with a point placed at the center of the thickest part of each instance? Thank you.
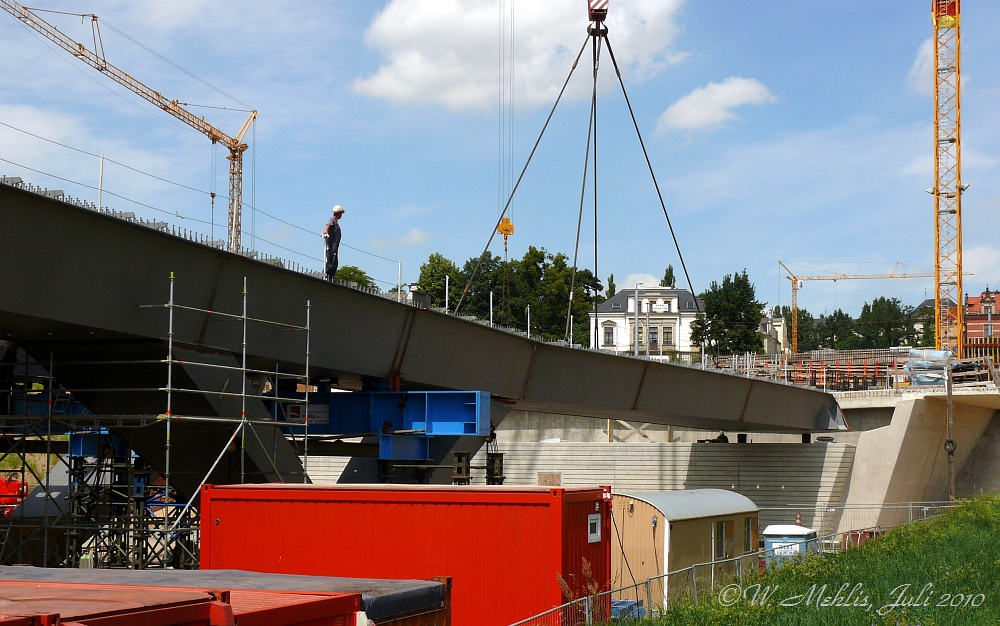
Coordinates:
(528, 311)
(635, 350)
(988, 302)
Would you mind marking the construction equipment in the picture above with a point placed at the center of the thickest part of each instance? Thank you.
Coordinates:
(798, 280)
(948, 187)
(98, 62)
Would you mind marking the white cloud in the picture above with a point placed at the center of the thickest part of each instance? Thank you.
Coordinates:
(647, 280)
(710, 106)
(73, 130)
(984, 263)
(446, 51)
(921, 76)
(414, 237)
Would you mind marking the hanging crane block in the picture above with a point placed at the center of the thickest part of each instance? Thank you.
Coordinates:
(506, 227)
(598, 10)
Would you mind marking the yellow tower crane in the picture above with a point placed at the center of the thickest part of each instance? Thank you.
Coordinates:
(947, 191)
(234, 144)
(798, 280)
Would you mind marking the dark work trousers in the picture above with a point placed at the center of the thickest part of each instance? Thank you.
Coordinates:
(331, 263)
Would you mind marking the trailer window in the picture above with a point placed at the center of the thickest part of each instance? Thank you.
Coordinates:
(594, 528)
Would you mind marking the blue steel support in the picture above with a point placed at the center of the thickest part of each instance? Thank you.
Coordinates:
(404, 421)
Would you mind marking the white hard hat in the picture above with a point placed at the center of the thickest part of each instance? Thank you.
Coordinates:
(338, 209)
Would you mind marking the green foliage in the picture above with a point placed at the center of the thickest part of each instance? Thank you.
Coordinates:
(668, 279)
(731, 317)
(488, 278)
(432, 280)
(928, 335)
(839, 331)
(354, 274)
(956, 553)
(885, 323)
(611, 286)
(540, 280)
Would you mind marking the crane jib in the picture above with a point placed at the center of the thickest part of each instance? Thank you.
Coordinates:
(234, 144)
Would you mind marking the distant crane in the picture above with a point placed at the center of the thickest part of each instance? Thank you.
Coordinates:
(798, 280)
(948, 187)
(97, 61)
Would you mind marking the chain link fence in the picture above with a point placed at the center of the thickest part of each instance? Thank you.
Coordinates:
(701, 582)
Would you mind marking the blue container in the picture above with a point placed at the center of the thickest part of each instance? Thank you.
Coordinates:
(627, 609)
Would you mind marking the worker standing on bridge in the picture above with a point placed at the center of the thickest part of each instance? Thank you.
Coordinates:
(332, 235)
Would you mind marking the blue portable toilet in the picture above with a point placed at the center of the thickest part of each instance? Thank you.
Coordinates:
(788, 541)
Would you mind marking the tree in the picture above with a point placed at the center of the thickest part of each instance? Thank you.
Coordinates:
(838, 331)
(668, 278)
(611, 286)
(354, 274)
(928, 334)
(731, 316)
(488, 279)
(885, 323)
(432, 280)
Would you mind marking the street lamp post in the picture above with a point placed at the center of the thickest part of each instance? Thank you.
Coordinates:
(988, 301)
(528, 310)
(635, 350)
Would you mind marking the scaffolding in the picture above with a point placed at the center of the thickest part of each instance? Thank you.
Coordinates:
(88, 499)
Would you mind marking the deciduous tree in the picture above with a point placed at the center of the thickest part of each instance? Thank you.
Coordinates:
(731, 316)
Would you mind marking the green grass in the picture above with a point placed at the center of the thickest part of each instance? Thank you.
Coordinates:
(956, 553)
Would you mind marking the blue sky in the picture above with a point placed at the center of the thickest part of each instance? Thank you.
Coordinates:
(798, 131)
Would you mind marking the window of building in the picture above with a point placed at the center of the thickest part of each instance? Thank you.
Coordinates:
(639, 304)
(616, 305)
(748, 534)
(690, 304)
(640, 334)
(609, 335)
(654, 335)
(668, 335)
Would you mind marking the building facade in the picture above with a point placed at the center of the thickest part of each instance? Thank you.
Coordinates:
(664, 324)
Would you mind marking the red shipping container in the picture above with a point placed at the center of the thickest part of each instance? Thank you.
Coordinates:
(504, 547)
(22, 603)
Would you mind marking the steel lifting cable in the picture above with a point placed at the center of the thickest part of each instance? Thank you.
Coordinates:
(649, 164)
(599, 35)
(579, 219)
(520, 177)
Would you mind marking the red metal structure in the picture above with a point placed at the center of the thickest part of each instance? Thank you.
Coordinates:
(12, 492)
(506, 548)
(54, 603)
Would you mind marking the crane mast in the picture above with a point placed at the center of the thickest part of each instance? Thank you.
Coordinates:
(235, 144)
(948, 188)
(798, 280)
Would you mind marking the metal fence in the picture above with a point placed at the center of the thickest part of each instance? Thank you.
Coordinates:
(701, 582)
(828, 520)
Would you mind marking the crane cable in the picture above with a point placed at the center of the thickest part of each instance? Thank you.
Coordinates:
(653, 176)
(599, 36)
(579, 219)
(520, 177)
